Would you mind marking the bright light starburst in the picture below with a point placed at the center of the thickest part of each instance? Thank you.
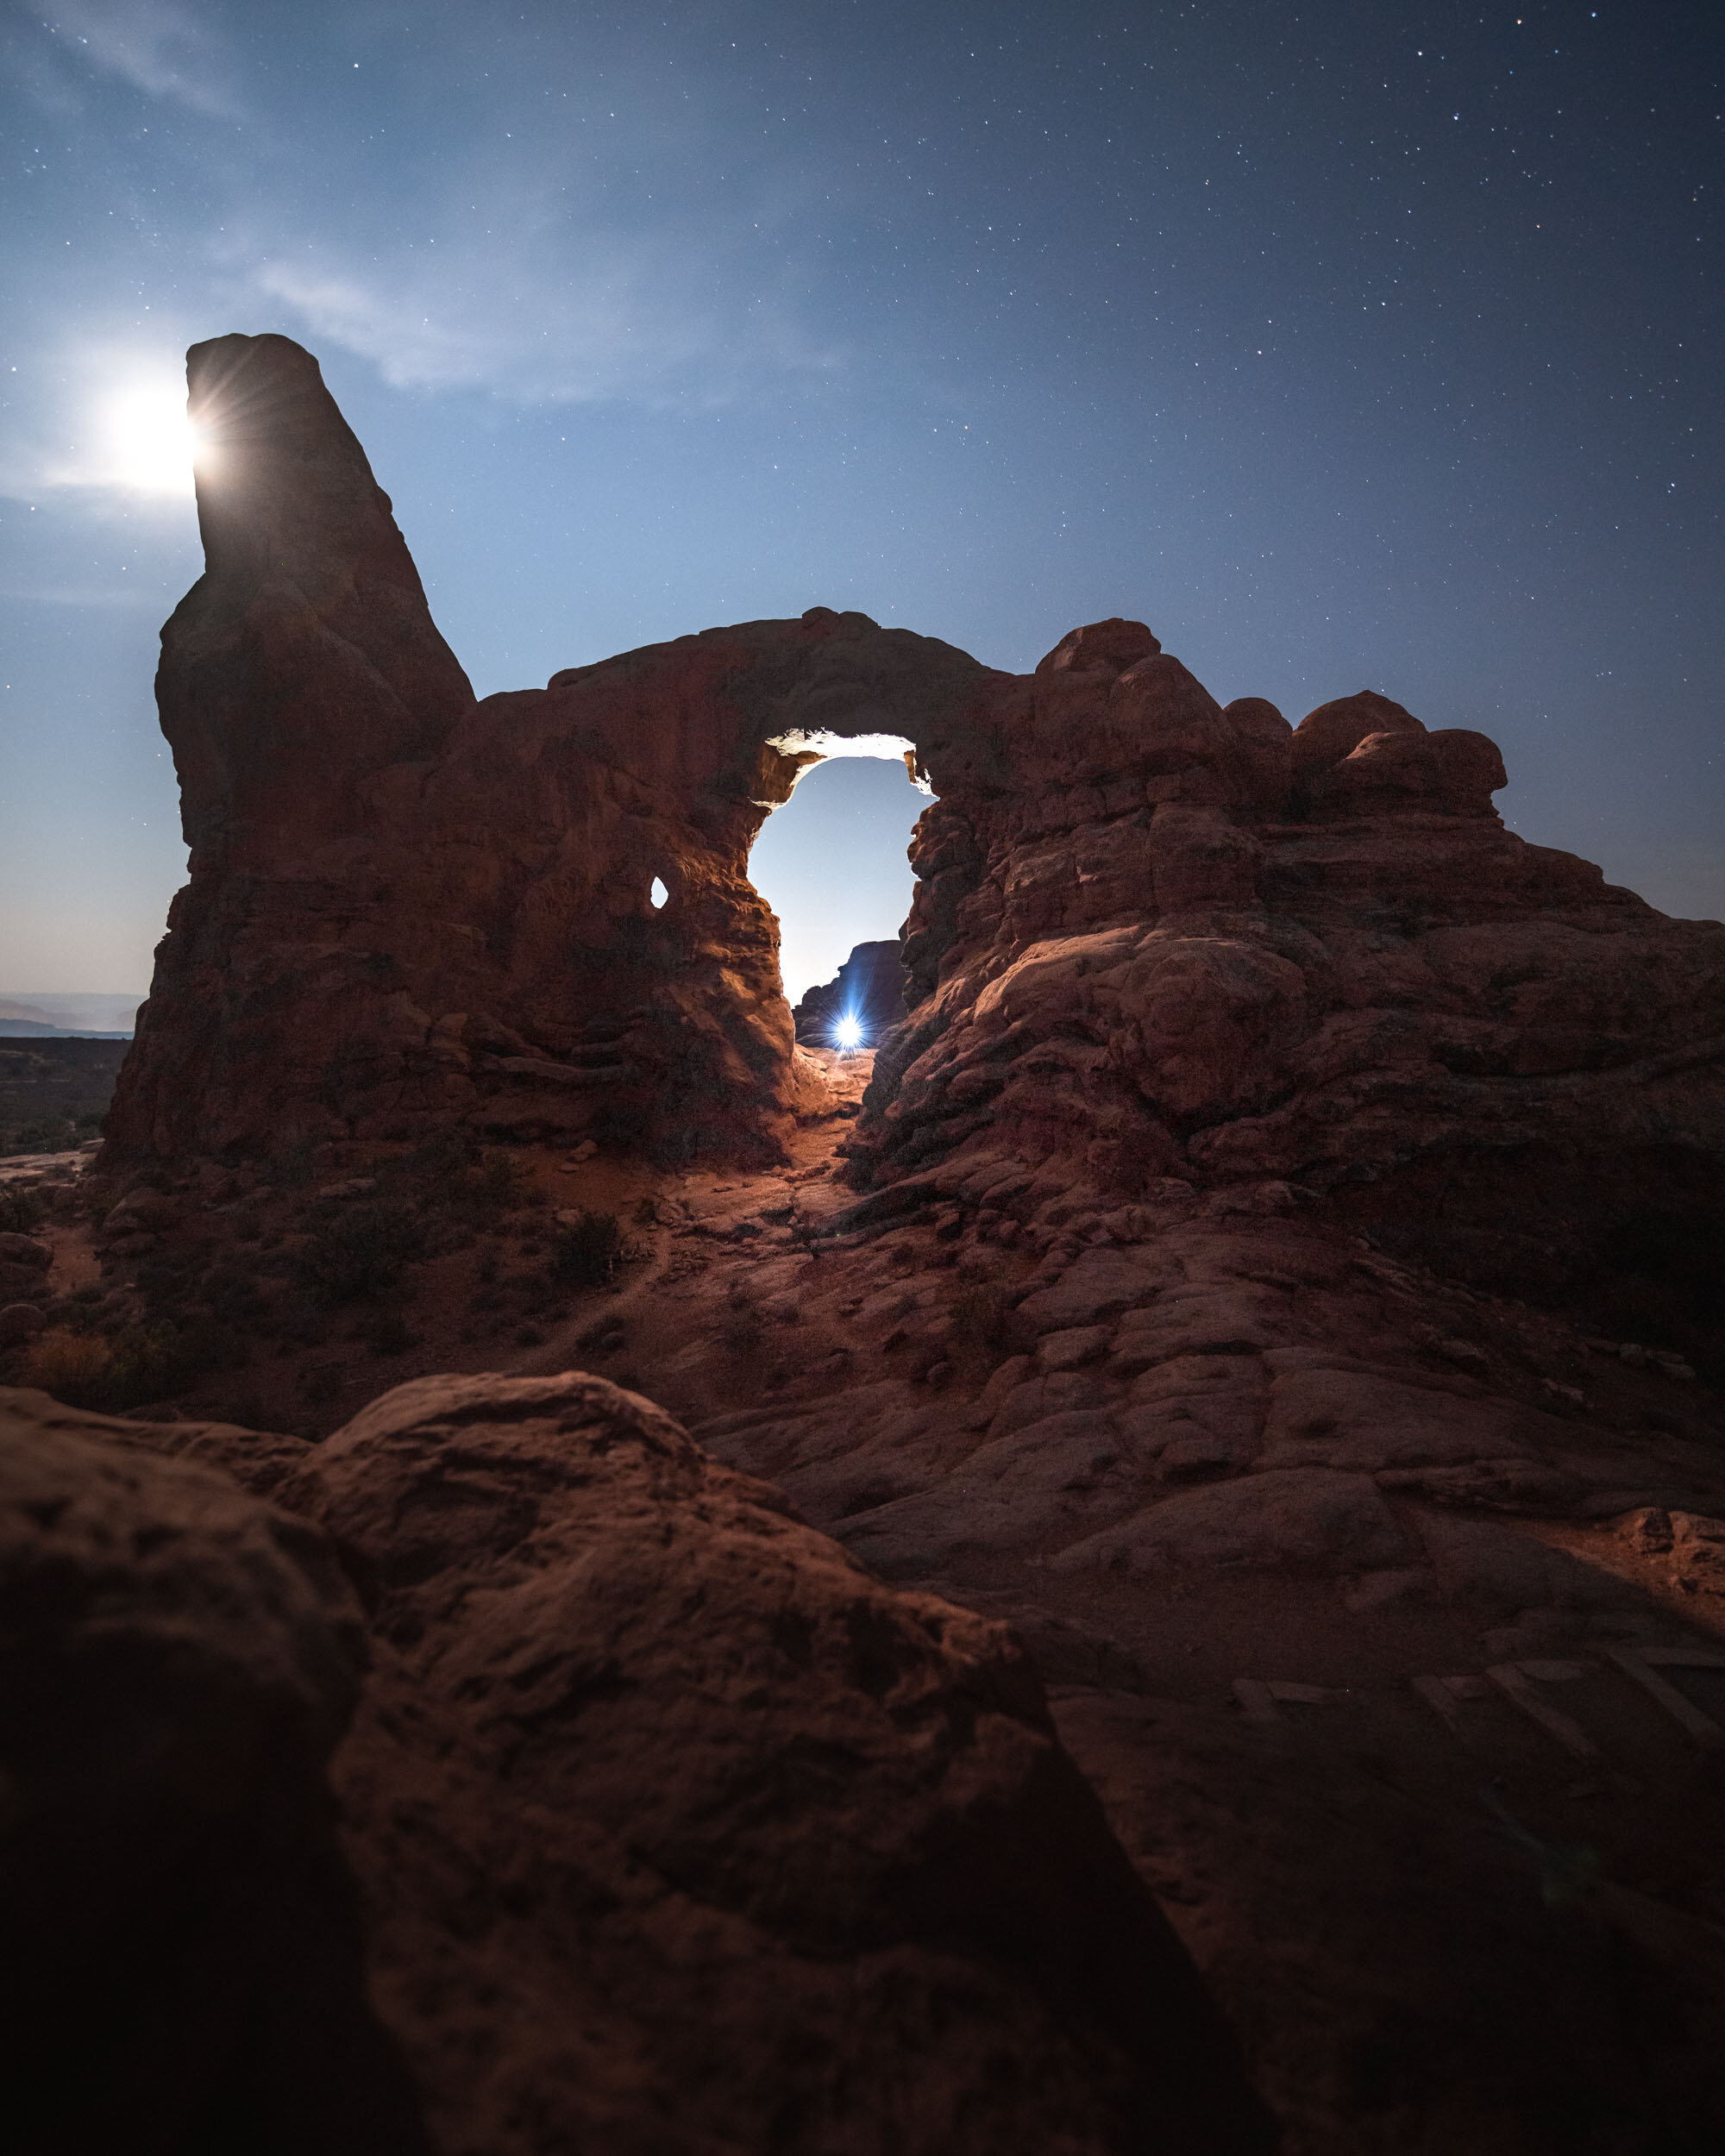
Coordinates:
(147, 439)
(848, 1033)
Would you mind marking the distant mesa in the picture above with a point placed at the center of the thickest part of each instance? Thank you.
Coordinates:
(101, 1017)
(1152, 937)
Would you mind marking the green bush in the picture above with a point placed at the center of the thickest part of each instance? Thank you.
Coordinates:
(585, 1253)
(452, 1176)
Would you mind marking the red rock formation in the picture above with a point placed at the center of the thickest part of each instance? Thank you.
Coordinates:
(407, 907)
(1196, 996)
(675, 1830)
(1154, 938)
(1150, 937)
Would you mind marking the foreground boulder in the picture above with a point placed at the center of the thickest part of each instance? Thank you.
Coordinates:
(674, 1830)
(183, 1965)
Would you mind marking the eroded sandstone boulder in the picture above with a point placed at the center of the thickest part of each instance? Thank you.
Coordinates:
(677, 1830)
(1155, 938)
(184, 1963)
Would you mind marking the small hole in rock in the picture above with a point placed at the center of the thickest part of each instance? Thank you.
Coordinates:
(658, 894)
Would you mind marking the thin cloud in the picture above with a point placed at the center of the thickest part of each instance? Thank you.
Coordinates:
(160, 49)
(630, 321)
(81, 596)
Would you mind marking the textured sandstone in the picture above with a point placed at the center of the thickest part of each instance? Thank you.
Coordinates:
(1151, 937)
(408, 907)
(678, 1831)
(183, 1963)
(1234, 1048)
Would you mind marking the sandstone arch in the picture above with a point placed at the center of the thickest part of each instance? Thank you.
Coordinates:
(407, 905)
(1152, 939)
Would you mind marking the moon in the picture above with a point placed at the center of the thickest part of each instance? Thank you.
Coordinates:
(149, 440)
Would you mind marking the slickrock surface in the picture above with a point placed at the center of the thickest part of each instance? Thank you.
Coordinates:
(1387, 1618)
(1357, 1593)
(675, 1829)
(183, 1963)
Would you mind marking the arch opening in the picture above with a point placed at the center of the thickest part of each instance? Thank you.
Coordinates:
(832, 864)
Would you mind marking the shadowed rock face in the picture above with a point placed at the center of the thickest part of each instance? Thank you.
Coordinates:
(1151, 937)
(183, 1965)
(1162, 939)
(675, 1829)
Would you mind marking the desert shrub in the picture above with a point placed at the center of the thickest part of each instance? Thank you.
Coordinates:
(20, 1211)
(50, 1133)
(138, 1364)
(165, 1278)
(358, 1255)
(73, 1367)
(452, 1175)
(585, 1252)
(981, 1317)
(235, 1299)
(148, 1361)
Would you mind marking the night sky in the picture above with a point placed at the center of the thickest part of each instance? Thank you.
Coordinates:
(1348, 345)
